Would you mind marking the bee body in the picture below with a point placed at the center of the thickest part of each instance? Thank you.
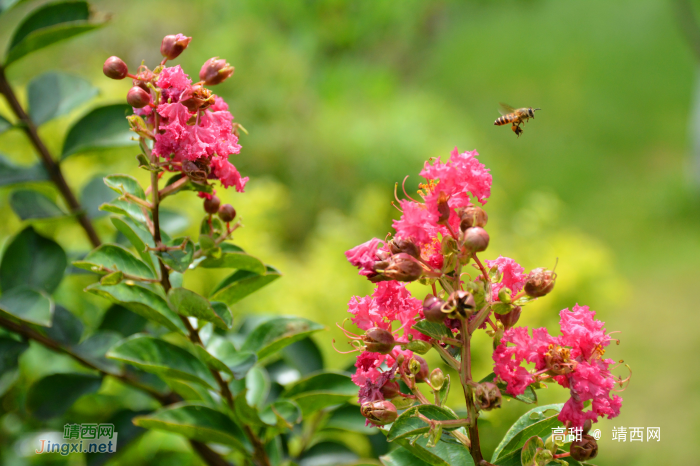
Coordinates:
(515, 117)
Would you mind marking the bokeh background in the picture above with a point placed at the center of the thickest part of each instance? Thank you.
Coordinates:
(342, 99)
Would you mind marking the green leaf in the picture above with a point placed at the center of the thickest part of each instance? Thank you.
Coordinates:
(31, 260)
(209, 359)
(137, 235)
(533, 422)
(29, 204)
(247, 414)
(66, 328)
(54, 94)
(125, 208)
(257, 382)
(142, 301)
(95, 347)
(348, 417)
(178, 259)
(408, 425)
(125, 184)
(529, 451)
(321, 390)
(435, 330)
(401, 457)
(115, 257)
(304, 356)
(53, 395)
(102, 128)
(242, 283)
(238, 362)
(122, 321)
(197, 423)
(50, 24)
(11, 173)
(235, 260)
(281, 413)
(10, 351)
(162, 358)
(190, 304)
(278, 332)
(328, 453)
(7, 4)
(4, 124)
(28, 305)
(93, 195)
(529, 397)
(442, 454)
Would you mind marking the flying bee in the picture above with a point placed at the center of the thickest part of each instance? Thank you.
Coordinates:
(514, 116)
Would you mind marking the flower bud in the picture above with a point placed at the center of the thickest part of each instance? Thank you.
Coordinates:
(379, 412)
(443, 209)
(403, 268)
(419, 346)
(418, 367)
(437, 378)
(390, 390)
(504, 295)
(211, 206)
(173, 45)
(378, 340)
(196, 98)
(473, 216)
(510, 319)
(584, 449)
(587, 424)
(476, 239)
(432, 309)
(540, 282)
(227, 213)
(215, 71)
(137, 97)
(406, 246)
(115, 68)
(487, 396)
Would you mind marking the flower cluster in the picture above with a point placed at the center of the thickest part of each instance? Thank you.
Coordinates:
(574, 360)
(191, 128)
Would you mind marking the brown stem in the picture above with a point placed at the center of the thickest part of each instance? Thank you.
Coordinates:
(483, 270)
(52, 167)
(466, 377)
(209, 456)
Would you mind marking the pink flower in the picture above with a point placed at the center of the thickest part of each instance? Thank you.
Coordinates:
(173, 81)
(364, 256)
(582, 332)
(416, 223)
(460, 175)
(228, 174)
(513, 276)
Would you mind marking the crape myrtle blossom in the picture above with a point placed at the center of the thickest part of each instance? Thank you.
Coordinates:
(512, 274)
(574, 360)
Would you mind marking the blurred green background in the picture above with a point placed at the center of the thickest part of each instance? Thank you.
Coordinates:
(343, 99)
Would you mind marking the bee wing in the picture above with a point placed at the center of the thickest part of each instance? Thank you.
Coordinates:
(505, 109)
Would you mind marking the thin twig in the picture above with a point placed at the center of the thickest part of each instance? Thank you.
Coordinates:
(52, 167)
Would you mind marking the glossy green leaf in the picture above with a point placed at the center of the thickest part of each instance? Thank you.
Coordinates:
(328, 453)
(281, 413)
(246, 413)
(408, 425)
(4, 124)
(435, 330)
(53, 94)
(238, 362)
(127, 209)
(125, 184)
(102, 128)
(443, 454)
(304, 355)
(11, 173)
(401, 457)
(113, 257)
(235, 260)
(8, 379)
(142, 301)
(197, 422)
(10, 351)
(321, 390)
(29, 204)
(28, 305)
(278, 332)
(348, 417)
(66, 328)
(160, 357)
(49, 24)
(178, 259)
(533, 422)
(31, 260)
(242, 283)
(138, 236)
(119, 319)
(529, 397)
(209, 359)
(190, 304)
(53, 395)
(530, 450)
(257, 382)
(190, 391)
(93, 195)
(95, 347)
